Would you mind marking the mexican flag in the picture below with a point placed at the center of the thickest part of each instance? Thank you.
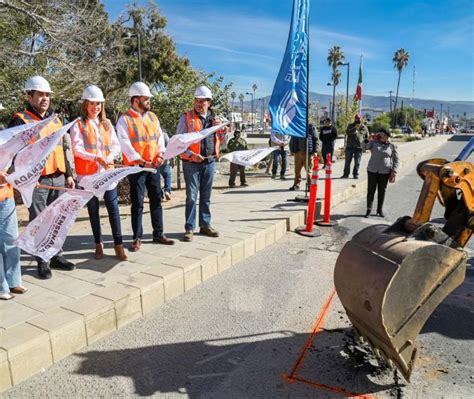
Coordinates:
(358, 95)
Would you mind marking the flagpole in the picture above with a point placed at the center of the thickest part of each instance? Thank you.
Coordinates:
(360, 101)
(307, 118)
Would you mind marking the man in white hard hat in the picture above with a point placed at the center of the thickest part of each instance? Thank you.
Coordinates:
(142, 143)
(199, 163)
(57, 171)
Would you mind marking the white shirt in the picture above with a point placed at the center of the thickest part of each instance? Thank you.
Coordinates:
(127, 148)
(80, 152)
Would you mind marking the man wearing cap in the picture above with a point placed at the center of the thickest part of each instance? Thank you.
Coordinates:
(57, 171)
(199, 163)
(357, 132)
(141, 139)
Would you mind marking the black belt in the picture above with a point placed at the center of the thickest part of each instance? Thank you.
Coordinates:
(55, 174)
(206, 160)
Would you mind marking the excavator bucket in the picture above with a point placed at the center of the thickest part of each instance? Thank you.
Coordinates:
(390, 281)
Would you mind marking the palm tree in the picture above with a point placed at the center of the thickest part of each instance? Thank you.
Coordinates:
(400, 61)
(233, 95)
(335, 56)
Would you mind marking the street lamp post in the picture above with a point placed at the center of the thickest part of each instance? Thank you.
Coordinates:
(254, 106)
(348, 64)
(137, 35)
(331, 104)
(253, 99)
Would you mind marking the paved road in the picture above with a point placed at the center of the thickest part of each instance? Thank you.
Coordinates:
(234, 335)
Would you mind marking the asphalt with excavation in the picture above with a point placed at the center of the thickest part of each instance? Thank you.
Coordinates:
(235, 334)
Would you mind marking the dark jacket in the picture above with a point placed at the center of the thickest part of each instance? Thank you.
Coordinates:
(356, 134)
(328, 134)
(298, 144)
(236, 145)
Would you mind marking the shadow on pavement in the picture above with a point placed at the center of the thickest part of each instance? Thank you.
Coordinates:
(265, 191)
(236, 365)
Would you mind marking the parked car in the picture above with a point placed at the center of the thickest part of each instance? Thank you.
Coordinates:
(406, 129)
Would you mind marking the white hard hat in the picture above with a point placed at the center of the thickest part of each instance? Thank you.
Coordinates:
(139, 89)
(38, 83)
(93, 93)
(203, 92)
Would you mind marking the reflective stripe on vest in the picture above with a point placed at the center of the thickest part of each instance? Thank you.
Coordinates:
(89, 136)
(143, 134)
(194, 124)
(56, 159)
(6, 192)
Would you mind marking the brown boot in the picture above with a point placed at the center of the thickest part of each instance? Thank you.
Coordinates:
(99, 251)
(120, 252)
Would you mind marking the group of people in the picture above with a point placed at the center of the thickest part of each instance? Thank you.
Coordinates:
(137, 140)
(382, 167)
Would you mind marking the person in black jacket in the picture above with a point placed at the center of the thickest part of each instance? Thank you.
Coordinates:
(298, 149)
(327, 135)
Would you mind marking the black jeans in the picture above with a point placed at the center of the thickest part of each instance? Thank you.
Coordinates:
(328, 148)
(234, 168)
(152, 183)
(376, 181)
(111, 203)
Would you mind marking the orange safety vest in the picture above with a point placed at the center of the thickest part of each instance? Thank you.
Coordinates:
(194, 124)
(56, 159)
(143, 134)
(6, 192)
(89, 136)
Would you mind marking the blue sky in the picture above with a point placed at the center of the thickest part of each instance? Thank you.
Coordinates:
(244, 41)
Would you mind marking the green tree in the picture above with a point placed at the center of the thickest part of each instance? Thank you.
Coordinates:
(343, 120)
(400, 61)
(380, 121)
(233, 95)
(335, 56)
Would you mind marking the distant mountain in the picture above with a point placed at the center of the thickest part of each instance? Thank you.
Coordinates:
(383, 103)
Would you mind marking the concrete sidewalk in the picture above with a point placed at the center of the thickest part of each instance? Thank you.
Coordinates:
(57, 317)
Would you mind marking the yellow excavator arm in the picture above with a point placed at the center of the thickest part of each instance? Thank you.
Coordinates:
(390, 279)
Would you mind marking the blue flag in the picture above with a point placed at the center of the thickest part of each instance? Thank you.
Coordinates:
(290, 93)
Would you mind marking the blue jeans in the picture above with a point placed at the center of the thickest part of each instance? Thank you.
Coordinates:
(111, 203)
(198, 178)
(276, 159)
(152, 183)
(10, 271)
(355, 153)
(165, 171)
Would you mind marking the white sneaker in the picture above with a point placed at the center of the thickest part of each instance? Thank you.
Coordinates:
(167, 195)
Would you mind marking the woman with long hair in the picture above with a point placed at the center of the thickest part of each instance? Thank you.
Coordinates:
(95, 146)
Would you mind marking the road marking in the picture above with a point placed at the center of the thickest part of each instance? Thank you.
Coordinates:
(317, 327)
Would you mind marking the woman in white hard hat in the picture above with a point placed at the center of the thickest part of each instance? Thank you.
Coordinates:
(95, 146)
